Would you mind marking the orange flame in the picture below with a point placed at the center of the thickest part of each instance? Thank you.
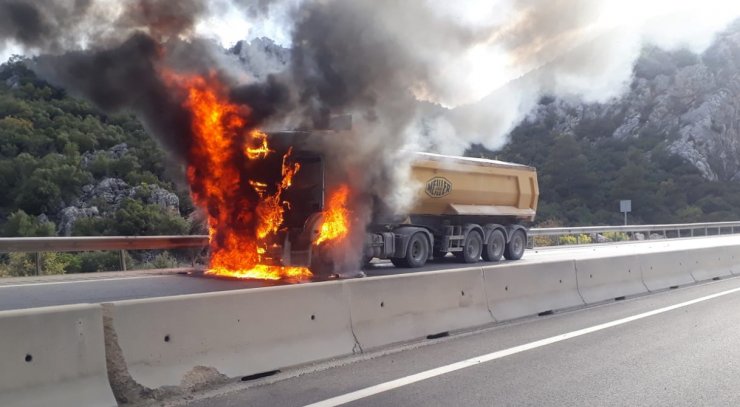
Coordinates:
(242, 213)
(336, 217)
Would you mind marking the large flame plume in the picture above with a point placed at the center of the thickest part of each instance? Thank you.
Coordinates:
(335, 225)
(226, 170)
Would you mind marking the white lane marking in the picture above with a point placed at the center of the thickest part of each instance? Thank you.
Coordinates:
(80, 281)
(404, 381)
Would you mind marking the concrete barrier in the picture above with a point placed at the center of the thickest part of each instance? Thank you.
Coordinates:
(607, 278)
(525, 289)
(715, 262)
(238, 333)
(53, 356)
(399, 308)
(666, 269)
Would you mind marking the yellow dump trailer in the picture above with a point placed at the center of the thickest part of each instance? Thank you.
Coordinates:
(470, 207)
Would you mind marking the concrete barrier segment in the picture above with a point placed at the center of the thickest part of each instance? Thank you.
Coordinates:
(715, 262)
(666, 269)
(607, 278)
(174, 340)
(53, 356)
(524, 289)
(399, 308)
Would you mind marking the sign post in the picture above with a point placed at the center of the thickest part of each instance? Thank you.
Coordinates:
(625, 205)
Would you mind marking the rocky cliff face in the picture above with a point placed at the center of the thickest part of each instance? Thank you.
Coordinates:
(105, 196)
(690, 101)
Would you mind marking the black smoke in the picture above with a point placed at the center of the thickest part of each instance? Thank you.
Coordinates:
(40, 24)
(124, 78)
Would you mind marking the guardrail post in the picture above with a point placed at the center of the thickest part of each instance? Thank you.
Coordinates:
(38, 263)
(122, 255)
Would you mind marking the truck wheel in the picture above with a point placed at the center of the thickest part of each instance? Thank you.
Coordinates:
(495, 247)
(472, 249)
(515, 248)
(417, 253)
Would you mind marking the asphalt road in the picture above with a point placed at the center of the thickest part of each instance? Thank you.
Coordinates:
(114, 286)
(637, 352)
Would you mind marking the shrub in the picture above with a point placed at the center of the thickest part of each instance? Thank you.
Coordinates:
(616, 236)
(24, 264)
(573, 239)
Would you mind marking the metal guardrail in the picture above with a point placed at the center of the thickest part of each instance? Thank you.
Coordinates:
(122, 243)
(38, 245)
(90, 243)
(664, 231)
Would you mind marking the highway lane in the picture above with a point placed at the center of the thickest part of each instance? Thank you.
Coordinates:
(112, 286)
(42, 294)
(684, 356)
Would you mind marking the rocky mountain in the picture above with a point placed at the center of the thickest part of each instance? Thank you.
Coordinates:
(691, 102)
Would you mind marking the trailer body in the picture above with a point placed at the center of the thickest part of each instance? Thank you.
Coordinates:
(473, 208)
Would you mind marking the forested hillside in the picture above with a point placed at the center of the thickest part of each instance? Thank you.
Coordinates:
(67, 169)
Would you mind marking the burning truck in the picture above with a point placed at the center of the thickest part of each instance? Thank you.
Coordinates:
(278, 209)
(472, 208)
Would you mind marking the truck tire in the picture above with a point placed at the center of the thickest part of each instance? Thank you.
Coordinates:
(472, 248)
(515, 248)
(417, 253)
(494, 250)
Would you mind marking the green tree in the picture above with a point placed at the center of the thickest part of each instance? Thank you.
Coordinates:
(21, 224)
